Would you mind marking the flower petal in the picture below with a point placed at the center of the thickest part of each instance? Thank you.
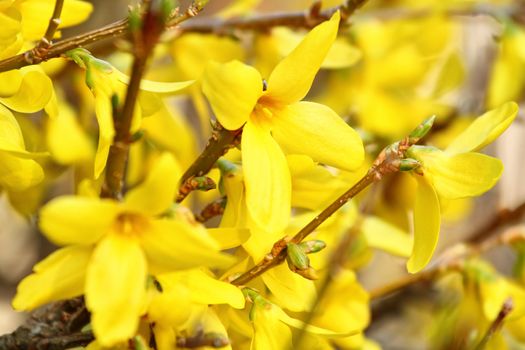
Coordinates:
(10, 82)
(116, 288)
(484, 129)
(292, 291)
(59, 276)
(176, 245)
(267, 178)
(104, 113)
(382, 235)
(229, 237)
(77, 220)
(19, 174)
(293, 76)
(426, 225)
(461, 175)
(160, 87)
(317, 131)
(34, 93)
(157, 192)
(233, 89)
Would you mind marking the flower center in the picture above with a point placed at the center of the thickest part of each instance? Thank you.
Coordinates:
(131, 224)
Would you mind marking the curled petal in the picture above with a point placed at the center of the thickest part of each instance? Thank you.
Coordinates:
(426, 225)
(317, 131)
(233, 89)
(291, 79)
(33, 95)
(267, 178)
(116, 288)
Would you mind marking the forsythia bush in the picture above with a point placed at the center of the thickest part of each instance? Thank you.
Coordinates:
(248, 240)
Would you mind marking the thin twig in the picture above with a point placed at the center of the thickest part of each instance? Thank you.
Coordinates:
(54, 22)
(387, 162)
(145, 40)
(218, 144)
(496, 325)
(212, 210)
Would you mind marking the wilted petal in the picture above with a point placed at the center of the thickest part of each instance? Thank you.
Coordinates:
(59, 276)
(174, 244)
(77, 220)
(317, 131)
(484, 129)
(233, 89)
(293, 76)
(157, 192)
(267, 178)
(426, 225)
(116, 288)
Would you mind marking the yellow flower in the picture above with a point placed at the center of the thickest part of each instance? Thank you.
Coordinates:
(276, 120)
(111, 247)
(457, 172)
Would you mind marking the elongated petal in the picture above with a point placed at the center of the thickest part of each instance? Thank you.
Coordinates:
(11, 137)
(484, 129)
(233, 90)
(461, 175)
(34, 93)
(382, 235)
(267, 178)
(317, 131)
(104, 113)
(229, 237)
(204, 289)
(269, 331)
(155, 86)
(157, 192)
(59, 276)
(77, 220)
(292, 291)
(177, 245)
(426, 226)
(116, 288)
(293, 76)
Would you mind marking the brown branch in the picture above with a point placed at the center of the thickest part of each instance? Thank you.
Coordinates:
(212, 210)
(53, 327)
(218, 144)
(54, 22)
(388, 162)
(496, 325)
(145, 39)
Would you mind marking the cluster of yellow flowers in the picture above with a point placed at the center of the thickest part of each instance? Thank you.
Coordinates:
(151, 273)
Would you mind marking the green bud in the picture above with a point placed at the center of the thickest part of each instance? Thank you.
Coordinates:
(296, 257)
(422, 129)
(167, 8)
(139, 343)
(138, 135)
(312, 246)
(225, 166)
(408, 164)
(203, 183)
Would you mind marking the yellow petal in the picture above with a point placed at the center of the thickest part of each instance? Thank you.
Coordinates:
(382, 235)
(267, 178)
(204, 289)
(104, 113)
(484, 129)
(77, 220)
(426, 226)
(291, 291)
(298, 324)
(157, 192)
(34, 93)
(10, 82)
(155, 86)
(11, 138)
(269, 331)
(59, 276)
(174, 244)
(229, 237)
(293, 76)
(461, 175)
(116, 288)
(317, 131)
(233, 89)
(19, 174)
